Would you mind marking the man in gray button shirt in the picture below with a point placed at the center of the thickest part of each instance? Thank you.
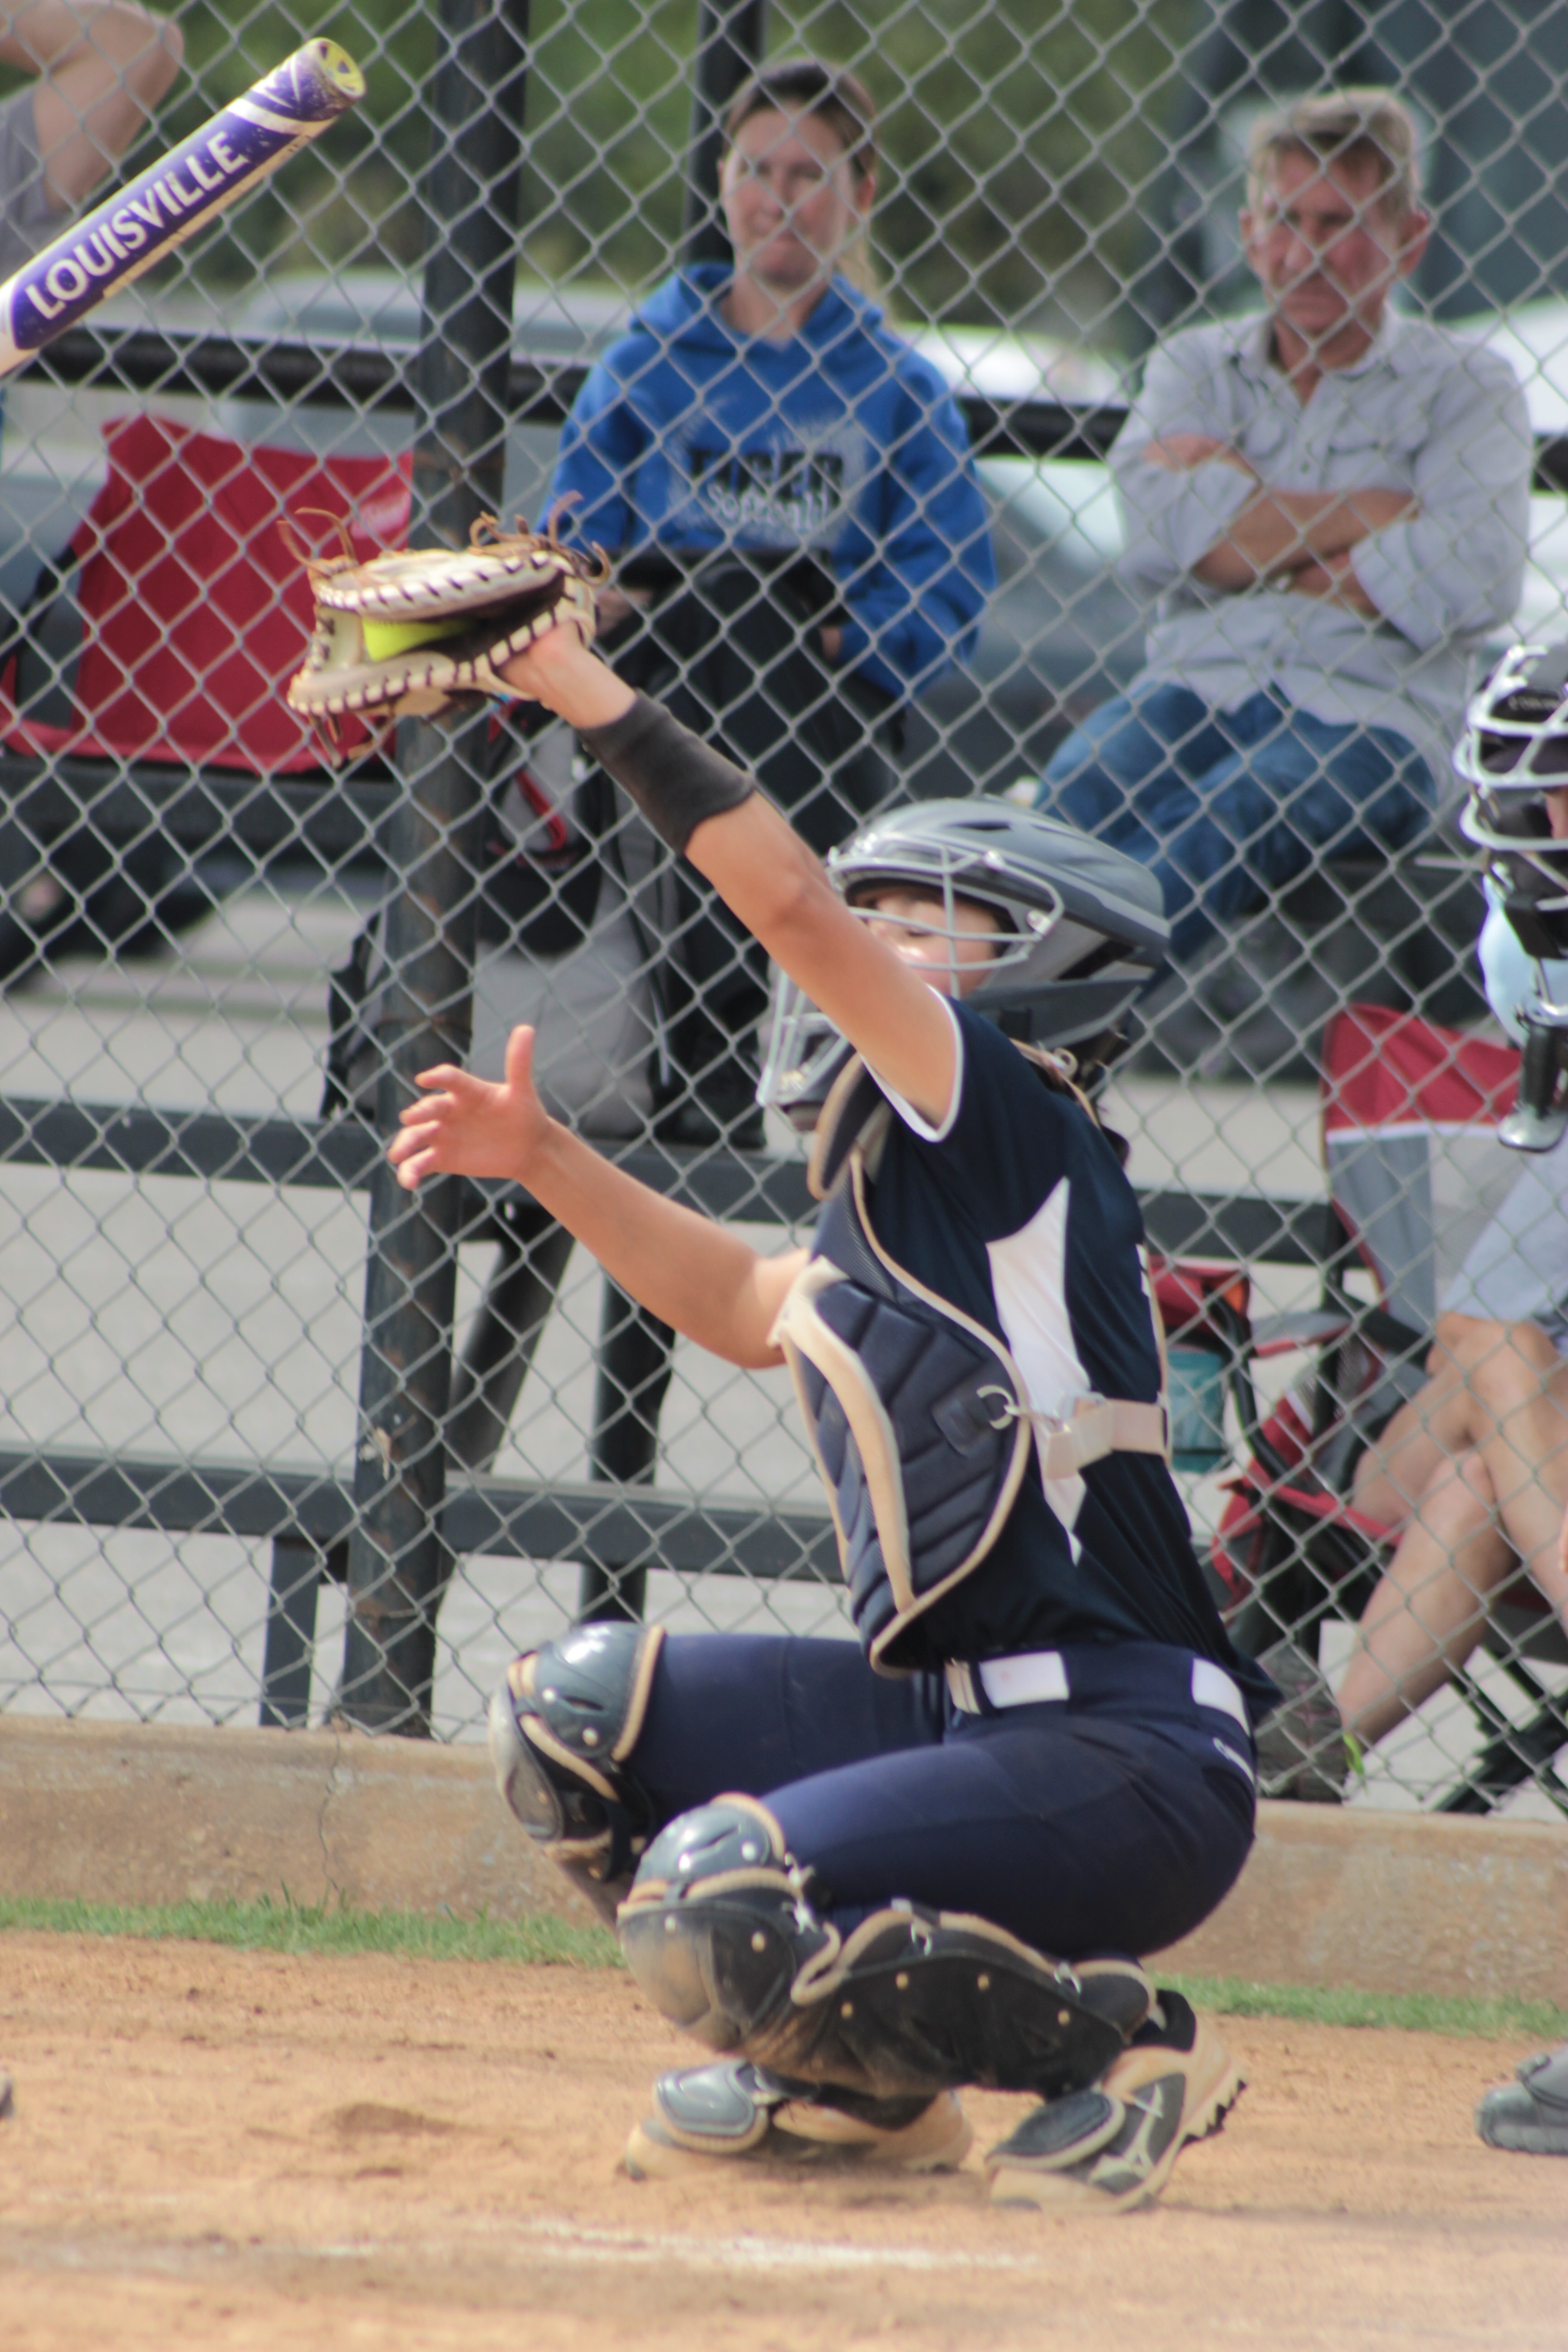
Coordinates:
(102, 65)
(1331, 504)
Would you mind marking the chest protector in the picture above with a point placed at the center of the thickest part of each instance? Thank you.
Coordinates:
(916, 1415)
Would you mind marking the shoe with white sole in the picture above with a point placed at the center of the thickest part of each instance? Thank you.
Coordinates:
(735, 2111)
(1112, 2146)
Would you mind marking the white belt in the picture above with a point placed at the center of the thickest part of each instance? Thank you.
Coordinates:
(1036, 1676)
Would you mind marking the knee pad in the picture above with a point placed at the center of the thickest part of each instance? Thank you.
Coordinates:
(720, 1933)
(562, 1727)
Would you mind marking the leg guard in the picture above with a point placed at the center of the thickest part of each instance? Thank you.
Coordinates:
(720, 1933)
(1110, 2148)
(562, 1727)
(735, 2110)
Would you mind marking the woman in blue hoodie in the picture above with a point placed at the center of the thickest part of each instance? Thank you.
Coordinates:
(801, 543)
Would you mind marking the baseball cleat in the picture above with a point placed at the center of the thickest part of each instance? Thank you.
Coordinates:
(1530, 2116)
(704, 2114)
(1111, 2148)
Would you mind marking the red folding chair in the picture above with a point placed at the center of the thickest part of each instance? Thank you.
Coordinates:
(165, 635)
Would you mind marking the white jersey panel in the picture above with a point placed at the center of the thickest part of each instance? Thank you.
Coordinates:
(1028, 1280)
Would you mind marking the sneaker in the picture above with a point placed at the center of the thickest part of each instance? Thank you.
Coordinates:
(707, 2113)
(1302, 1751)
(1530, 2116)
(1112, 2146)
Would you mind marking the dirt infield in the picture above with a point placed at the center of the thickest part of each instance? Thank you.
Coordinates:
(242, 2149)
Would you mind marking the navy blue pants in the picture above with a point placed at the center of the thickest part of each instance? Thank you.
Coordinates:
(1107, 1823)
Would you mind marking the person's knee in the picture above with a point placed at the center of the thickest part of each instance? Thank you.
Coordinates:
(1457, 1339)
(1459, 1496)
(563, 1727)
(1506, 1364)
(720, 1933)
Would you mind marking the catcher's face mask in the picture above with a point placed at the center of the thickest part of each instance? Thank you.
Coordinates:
(1514, 749)
(1513, 753)
(959, 949)
(804, 1055)
(1078, 931)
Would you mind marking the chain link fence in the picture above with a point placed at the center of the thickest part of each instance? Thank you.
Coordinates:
(240, 1467)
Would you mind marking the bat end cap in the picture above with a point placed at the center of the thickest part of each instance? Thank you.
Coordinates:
(339, 69)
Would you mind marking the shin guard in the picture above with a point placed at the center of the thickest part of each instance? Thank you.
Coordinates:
(720, 1933)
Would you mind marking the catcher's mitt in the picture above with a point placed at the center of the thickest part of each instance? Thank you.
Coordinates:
(406, 633)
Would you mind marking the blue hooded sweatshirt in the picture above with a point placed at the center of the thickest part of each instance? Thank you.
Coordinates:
(842, 443)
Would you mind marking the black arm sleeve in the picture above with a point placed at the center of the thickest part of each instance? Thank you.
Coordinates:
(675, 781)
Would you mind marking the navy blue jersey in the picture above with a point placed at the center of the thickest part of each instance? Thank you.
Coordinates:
(1018, 1213)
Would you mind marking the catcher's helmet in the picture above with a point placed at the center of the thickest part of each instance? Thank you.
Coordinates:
(1515, 746)
(1081, 931)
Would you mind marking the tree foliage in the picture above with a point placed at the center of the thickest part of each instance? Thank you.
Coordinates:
(1021, 139)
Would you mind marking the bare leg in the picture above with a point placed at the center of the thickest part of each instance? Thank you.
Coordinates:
(1434, 1428)
(1522, 1435)
(1427, 1613)
(1498, 1506)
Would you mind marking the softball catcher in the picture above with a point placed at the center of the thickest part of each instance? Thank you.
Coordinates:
(864, 1877)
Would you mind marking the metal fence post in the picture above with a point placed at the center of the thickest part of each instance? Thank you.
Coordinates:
(398, 1563)
(731, 37)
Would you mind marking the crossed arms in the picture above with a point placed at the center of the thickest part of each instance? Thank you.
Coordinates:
(1307, 537)
(1436, 551)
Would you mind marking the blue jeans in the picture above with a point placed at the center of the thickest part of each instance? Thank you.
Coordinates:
(1229, 807)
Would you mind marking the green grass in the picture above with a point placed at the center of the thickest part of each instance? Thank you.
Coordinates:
(1415, 2012)
(287, 1926)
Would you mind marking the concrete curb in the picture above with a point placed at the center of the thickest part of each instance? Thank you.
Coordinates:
(151, 1814)
(154, 1814)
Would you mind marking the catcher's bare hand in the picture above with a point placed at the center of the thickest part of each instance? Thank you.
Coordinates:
(559, 670)
(463, 1126)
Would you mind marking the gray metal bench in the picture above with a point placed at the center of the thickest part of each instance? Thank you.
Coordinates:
(618, 1530)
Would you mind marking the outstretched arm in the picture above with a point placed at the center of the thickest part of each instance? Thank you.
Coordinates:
(767, 877)
(685, 1270)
